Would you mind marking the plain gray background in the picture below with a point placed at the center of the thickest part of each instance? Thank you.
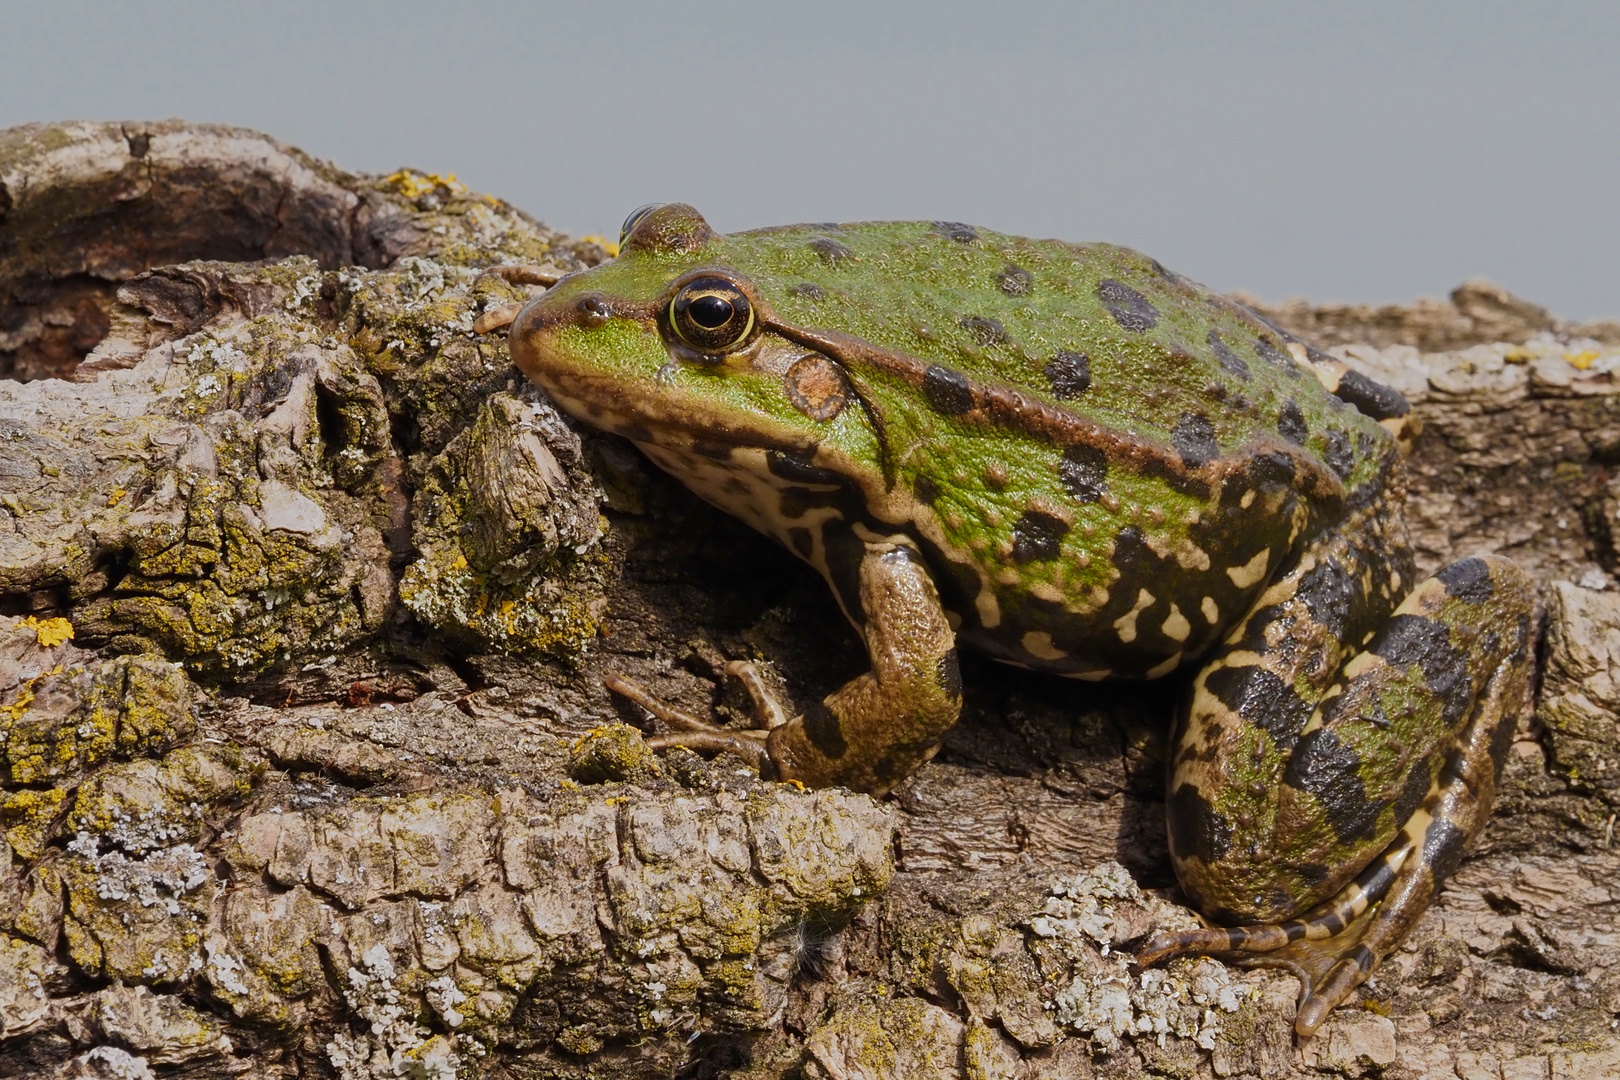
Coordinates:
(1364, 151)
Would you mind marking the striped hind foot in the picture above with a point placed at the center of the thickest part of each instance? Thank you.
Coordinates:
(1332, 948)
(1355, 808)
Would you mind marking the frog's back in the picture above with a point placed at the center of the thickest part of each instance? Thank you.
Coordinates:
(1103, 460)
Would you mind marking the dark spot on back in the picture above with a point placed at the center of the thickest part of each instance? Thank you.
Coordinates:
(1267, 350)
(1131, 552)
(1015, 280)
(1069, 373)
(1443, 849)
(808, 290)
(955, 230)
(1467, 579)
(984, 331)
(1329, 592)
(1330, 771)
(1312, 874)
(950, 674)
(1374, 399)
(1194, 439)
(1197, 829)
(713, 450)
(948, 391)
(1084, 472)
(1262, 699)
(1337, 453)
(1405, 640)
(1128, 307)
(831, 251)
(1270, 470)
(927, 491)
(1037, 535)
(1291, 423)
(821, 728)
(1228, 359)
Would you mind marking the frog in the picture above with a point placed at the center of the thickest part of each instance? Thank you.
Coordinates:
(1073, 460)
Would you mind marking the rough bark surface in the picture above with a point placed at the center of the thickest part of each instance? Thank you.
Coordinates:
(325, 782)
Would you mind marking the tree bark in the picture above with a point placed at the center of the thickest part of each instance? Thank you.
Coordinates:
(325, 781)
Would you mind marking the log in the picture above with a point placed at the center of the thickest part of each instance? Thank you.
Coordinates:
(307, 767)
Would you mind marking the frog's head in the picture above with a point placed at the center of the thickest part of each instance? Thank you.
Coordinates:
(669, 343)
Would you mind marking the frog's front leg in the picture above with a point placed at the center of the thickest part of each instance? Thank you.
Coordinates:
(1322, 825)
(879, 727)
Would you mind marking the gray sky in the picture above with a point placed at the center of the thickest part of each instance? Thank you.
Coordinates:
(1342, 151)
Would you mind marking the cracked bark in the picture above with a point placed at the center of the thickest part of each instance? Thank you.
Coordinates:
(382, 818)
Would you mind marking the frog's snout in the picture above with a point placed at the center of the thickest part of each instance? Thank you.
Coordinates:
(545, 316)
(535, 327)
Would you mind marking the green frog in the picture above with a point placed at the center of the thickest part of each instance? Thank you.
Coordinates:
(1076, 461)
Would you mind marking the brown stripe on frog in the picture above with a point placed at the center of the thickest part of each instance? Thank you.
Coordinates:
(1006, 408)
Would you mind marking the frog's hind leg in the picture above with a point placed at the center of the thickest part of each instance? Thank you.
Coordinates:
(1400, 759)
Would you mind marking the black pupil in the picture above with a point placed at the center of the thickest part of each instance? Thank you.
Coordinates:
(710, 312)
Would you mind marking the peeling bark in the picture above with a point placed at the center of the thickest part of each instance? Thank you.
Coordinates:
(326, 782)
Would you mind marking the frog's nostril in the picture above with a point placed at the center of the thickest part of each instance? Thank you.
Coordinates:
(593, 311)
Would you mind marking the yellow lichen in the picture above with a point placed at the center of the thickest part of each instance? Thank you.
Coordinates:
(50, 632)
(37, 811)
(1581, 360)
(413, 184)
(116, 497)
(602, 242)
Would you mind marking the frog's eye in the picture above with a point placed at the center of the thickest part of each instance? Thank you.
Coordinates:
(711, 314)
(635, 217)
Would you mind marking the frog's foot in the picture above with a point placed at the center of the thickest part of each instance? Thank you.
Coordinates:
(876, 729)
(696, 734)
(1333, 947)
(499, 318)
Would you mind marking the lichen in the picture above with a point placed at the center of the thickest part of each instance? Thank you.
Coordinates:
(50, 632)
(612, 753)
(1106, 1001)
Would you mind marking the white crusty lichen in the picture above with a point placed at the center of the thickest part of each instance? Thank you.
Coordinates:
(1105, 1000)
(114, 1064)
(395, 1044)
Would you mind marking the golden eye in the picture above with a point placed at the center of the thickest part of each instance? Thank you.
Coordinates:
(712, 315)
